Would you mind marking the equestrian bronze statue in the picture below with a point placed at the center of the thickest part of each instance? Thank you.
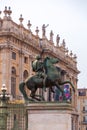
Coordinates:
(46, 75)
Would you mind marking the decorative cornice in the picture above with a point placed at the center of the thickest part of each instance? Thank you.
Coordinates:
(5, 47)
(49, 106)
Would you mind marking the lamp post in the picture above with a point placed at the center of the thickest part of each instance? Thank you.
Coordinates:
(4, 97)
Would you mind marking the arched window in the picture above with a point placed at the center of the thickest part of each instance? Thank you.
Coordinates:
(25, 74)
(13, 82)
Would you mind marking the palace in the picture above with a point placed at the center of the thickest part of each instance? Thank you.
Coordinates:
(18, 48)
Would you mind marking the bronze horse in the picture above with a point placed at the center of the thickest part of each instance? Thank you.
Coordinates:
(53, 79)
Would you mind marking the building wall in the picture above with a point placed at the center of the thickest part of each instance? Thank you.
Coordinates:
(15, 38)
(82, 108)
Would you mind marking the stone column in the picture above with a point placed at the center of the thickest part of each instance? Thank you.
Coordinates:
(21, 64)
(4, 58)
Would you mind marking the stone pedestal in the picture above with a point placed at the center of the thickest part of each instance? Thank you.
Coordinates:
(49, 116)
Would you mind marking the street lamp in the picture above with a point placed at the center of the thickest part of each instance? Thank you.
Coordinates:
(3, 89)
(4, 97)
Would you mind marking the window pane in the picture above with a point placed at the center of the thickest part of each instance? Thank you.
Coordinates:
(13, 87)
(82, 93)
(86, 118)
(14, 55)
(26, 60)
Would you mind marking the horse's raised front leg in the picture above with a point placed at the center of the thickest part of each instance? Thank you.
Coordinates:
(65, 82)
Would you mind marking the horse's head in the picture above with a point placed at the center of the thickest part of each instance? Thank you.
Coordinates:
(50, 60)
(53, 60)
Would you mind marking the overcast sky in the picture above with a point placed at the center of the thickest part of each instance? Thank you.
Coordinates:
(68, 18)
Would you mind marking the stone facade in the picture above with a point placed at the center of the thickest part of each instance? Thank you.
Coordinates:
(18, 48)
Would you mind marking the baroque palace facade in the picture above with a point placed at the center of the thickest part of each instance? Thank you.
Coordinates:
(18, 48)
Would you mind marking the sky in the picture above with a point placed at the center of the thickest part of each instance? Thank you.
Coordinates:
(68, 18)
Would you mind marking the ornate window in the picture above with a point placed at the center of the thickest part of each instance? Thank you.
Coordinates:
(85, 118)
(26, 60)
(13, 82)
(14, 55)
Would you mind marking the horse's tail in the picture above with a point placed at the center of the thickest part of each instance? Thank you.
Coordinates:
(22, 89)
(65, 82)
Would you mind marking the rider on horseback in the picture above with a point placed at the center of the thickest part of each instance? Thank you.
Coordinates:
(38, 67)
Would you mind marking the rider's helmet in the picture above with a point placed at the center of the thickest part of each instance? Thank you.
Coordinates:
(38, 57)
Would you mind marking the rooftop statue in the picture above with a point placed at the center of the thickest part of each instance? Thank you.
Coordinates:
(46, 76)
(44, 30)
